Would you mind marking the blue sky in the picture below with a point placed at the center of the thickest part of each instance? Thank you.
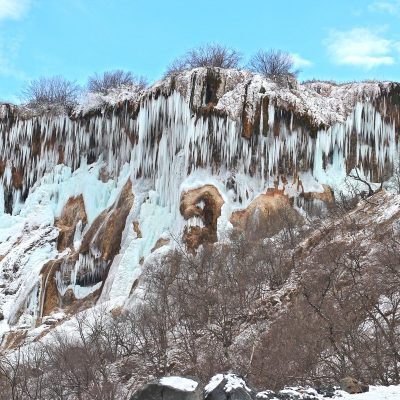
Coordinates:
(340, 39)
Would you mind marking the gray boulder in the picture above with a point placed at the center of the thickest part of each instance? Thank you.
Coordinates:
(169, 388)
(228, 387)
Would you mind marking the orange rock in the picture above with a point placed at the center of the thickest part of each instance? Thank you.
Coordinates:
(73, 212)
(266, 215)
(136, 229)
(105, 232)
(327, 196)
(204, 203)
(50, 297)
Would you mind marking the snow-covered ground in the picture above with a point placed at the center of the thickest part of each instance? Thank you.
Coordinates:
(375, 393)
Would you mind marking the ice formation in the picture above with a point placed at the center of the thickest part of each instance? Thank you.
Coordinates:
(234, 130)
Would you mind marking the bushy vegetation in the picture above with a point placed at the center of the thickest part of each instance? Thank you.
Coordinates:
(277, 65)
(51, 94)
(58, 95)
(194, 307)
(234, 306)
(103, 83)
(210, 55)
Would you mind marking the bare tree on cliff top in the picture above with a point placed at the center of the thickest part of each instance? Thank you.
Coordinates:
(273, 64)
(48, 93)
(103, 83)
(210, 55)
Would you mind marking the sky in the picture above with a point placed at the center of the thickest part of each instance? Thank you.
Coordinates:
(338, 40)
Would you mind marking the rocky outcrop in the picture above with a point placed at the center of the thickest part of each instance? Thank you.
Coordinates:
(203, 206)
(266, 215)
(50, 298)
(73, 213)
(105, 233)
(91, 258)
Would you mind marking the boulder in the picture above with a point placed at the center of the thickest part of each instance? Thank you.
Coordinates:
(228, 387)
(353, 386)
(169, 388)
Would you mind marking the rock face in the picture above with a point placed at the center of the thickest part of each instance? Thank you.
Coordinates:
(88, 196)
(353, 386)
(169, 388)
(95, 250)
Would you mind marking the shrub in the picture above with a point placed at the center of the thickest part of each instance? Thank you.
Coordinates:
(114, 79)
(50, 93)
(210, 55)
(273, 64)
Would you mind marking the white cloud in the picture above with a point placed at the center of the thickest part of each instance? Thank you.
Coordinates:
(13, 9)
(360, 47)
(385, 6)
(300, 62)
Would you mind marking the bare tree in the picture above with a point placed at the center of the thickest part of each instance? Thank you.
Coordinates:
(114, 79)
(273, 64)
(49, 94)
(357, 177)
(210, 55)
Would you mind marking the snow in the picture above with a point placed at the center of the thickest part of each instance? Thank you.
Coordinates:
(176, 382)
(375, 393)
(232, 382)
(115, 96)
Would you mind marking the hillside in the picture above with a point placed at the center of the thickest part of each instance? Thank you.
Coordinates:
(94, 198)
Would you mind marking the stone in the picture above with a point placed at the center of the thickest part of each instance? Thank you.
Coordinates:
(228, 387)
(353, 386)
(169, 388)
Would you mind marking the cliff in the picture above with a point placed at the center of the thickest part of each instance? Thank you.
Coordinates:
(88, 197)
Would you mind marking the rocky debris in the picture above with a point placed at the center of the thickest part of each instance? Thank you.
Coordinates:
(353, 386)
(169, 388)
(1, 316)
(228, 387)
